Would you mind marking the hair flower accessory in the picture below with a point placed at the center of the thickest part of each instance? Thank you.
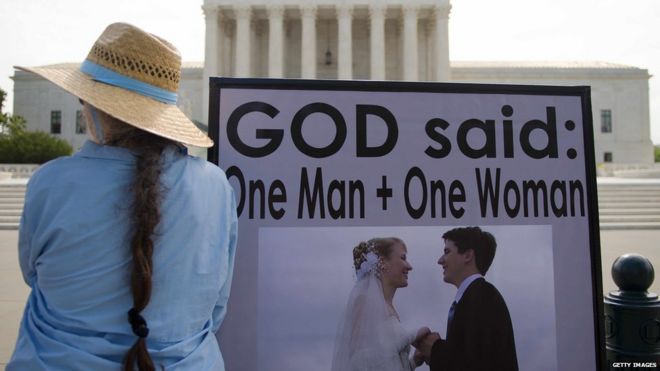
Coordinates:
(368, 265)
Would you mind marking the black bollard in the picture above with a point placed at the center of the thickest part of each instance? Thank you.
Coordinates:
(632, 316)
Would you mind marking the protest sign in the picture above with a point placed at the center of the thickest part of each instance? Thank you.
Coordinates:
(318, 166)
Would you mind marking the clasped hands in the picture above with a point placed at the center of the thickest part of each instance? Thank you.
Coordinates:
(423, 344)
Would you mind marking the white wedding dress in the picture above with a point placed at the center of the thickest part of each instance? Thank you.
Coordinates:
(369, 337)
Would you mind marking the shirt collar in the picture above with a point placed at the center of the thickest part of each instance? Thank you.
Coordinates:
(464, 285)
(92, 149)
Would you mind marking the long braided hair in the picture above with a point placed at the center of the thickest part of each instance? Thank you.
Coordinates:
(145, 216)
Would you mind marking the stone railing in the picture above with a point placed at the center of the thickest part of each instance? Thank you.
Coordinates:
(18, 171)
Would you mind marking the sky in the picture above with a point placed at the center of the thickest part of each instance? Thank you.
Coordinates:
(39, 32)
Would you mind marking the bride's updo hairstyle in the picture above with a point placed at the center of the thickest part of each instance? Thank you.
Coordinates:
(382, 247)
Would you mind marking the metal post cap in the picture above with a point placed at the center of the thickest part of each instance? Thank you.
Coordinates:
(633, 272)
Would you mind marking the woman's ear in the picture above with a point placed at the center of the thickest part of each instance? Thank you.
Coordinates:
(89, 122)
(383, 264)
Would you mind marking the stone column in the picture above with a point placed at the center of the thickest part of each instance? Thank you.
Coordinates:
(308, 65)
(345, 37)
(441, 43)
(410, 63)
(243, 16)
(211, 54)
(377, 41)
(275, 41)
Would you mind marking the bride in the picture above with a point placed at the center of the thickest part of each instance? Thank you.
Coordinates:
(370, 336)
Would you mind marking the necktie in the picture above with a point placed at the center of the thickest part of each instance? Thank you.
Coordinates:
(451, 314)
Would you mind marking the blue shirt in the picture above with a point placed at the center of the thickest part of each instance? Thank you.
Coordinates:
(74, 251)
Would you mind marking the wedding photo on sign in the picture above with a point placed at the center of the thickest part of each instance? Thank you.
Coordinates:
(393, 225)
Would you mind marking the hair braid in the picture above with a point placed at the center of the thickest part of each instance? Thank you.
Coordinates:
(145, 217)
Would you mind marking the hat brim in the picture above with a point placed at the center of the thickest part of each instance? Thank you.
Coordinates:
(165, 120)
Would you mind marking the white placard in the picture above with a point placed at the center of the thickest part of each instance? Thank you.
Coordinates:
(318, 166)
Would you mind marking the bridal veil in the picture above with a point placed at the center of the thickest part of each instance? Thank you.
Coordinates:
(367, 337)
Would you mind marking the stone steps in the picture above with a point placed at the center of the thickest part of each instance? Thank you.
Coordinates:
(635, 226)
(12, 197)
(630, 218)
(10, 212)
(624, 206)
(626, 195)
(12, 202)
(650, 210)
(9, 219)
(629, 206)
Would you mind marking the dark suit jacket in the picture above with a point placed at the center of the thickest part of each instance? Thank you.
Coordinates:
(480, 336)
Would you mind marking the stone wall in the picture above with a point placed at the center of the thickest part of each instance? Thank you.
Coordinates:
(19, 171)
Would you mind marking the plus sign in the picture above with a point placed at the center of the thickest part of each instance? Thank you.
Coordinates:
(384, 192)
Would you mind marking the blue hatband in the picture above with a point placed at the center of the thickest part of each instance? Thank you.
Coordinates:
(104, 75)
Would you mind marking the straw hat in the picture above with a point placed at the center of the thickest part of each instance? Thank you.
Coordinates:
(133, 76)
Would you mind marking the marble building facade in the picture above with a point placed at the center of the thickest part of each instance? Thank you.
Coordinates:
(359, 39)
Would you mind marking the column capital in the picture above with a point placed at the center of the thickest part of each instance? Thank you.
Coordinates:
(410, 9)
(275, 11)
(344, 10)
(377, 10)
(308, 10)
(243, 11)
(441, 11)
(210, 10)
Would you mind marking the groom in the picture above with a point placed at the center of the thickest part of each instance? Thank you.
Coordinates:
(479, 330)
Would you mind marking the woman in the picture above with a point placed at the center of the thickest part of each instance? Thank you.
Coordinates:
(371, 337)
(128, 245)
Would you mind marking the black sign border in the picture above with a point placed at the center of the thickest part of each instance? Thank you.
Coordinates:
(216, 84)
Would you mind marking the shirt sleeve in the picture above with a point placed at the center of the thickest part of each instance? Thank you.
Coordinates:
(220, 309)
(24, 251)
